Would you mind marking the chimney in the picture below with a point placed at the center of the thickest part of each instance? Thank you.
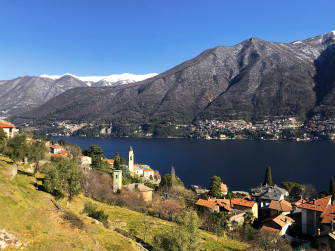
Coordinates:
(319, 231)
(313, 201)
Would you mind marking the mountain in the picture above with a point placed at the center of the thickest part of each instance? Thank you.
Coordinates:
(252, 80)
(25, 93)
(111, 80)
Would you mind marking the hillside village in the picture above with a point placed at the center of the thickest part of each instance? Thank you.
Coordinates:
(292, 217)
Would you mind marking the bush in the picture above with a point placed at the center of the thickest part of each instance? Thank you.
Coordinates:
(73, 219)
(93, 211)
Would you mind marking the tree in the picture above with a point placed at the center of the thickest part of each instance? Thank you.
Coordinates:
(248, 218)
(36, 153)
(269, 240)
(3, 136)
(185, 237)
(268, 177)
(215, 187)
(222, 221)
(16, 148)
(309, 192)
(173, 177)
(96, 153)
(167, 182)
(117, 160)
(332, 188)
(62, 177)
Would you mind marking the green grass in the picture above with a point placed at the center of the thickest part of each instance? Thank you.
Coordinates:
(31, 215)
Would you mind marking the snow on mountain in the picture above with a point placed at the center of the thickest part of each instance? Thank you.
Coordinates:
(124, 78)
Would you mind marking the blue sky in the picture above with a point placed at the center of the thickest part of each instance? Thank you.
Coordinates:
(104, 37)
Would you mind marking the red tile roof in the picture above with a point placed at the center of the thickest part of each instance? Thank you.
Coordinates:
(328, 215)
(282, 206)
(6, 125)
(148, 170)
(211, 203)
(109, 160)
(281, 220)
(242, 202)
(224, 188)
(317, 205)
(56, 146)
(270, 229)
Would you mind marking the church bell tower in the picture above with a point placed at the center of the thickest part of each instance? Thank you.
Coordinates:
(131, 160)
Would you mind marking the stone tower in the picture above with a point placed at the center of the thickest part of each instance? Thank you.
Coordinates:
(117, 180)
(131, 160)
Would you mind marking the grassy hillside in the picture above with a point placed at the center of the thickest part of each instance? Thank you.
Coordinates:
(33, 218)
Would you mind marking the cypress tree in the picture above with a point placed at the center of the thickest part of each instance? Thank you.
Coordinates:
(268, 177)
(332, 188)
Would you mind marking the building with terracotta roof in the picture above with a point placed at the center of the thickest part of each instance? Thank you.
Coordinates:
(245, 205)
(280, 207)
(214, 205)
(147, 173)
(311, 212)
(109, 161)
(8, 128)
(224, 189)
(56, 149)
(277, 223)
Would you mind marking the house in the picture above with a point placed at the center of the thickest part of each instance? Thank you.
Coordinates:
(147, 173)
(110, 161)
(84, 160)
(144, 191)
(60, 154)
(311, 212)
(224, 189)
(264, 195)
(138, 170)
(55, 149)
(214, 205)
(245, 205)
(280, 207)
(8, 128)
(277, 223)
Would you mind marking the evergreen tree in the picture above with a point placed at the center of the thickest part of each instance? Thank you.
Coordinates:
(268, 177)
(332, 188)
(215, 187)
(173, 177)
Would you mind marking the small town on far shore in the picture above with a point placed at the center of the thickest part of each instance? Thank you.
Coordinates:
(294, 215)
(286, 128)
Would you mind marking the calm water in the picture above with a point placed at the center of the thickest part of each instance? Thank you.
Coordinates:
(241, 164)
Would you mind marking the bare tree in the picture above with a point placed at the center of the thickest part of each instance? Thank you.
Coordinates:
(309, 192)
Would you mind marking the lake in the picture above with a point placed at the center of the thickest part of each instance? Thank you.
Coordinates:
(241, 164)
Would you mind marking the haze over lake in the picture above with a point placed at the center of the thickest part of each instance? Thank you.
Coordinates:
(241, 164)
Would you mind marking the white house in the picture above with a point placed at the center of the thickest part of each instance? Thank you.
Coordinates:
(8, 128)
(147, 173)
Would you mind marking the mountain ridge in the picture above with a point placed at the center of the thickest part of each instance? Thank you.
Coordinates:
(252, 80)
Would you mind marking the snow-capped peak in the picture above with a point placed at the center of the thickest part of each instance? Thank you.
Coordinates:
(115, 78)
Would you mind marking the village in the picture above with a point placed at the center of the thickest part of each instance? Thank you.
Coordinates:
(291, 215)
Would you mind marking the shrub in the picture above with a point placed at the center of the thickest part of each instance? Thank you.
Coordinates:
(93, 211)
(73, 219)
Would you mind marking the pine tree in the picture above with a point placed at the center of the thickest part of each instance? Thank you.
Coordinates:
(332, 188)
(268, 177)
(173, 177)
(215, 187)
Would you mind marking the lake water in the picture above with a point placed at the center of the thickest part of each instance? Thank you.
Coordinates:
(241, 164)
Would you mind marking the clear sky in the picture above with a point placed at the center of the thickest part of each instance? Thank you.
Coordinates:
(104, 37)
